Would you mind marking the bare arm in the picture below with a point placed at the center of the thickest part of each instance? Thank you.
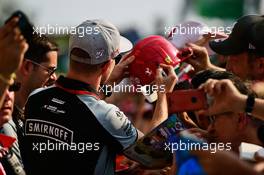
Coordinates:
(258, 110)
(166, 85)
(200, 59)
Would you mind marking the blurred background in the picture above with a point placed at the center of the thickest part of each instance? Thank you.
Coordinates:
(135, 19)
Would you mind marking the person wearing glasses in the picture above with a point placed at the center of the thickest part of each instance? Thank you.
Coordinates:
(227, 126)
(37, 70)
(236, 102)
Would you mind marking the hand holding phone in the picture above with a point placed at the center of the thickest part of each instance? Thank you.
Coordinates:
(24, 25)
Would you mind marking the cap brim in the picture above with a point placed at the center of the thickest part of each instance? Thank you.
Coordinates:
(227, 47)
(218, 35)
(125, 45)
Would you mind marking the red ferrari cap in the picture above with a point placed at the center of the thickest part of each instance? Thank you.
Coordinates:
(149, 53)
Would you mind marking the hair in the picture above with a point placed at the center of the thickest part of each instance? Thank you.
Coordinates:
(39, 46)
(202, 76)
(82, 67)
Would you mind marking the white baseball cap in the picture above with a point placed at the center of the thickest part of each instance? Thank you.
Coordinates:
(191, 32)
(100, 39)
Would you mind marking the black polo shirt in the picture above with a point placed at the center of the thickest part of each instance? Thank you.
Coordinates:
(68, 128)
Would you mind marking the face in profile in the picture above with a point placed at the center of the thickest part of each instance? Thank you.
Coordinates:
(7, 108)
(238, 65)
(226, 128)
(43, 73)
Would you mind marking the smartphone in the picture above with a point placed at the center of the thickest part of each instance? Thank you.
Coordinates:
(186, 100)
(24, 25)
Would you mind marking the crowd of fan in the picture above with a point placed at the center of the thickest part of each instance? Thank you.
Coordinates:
(236, 114)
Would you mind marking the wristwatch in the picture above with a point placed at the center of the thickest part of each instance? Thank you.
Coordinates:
(250, 104)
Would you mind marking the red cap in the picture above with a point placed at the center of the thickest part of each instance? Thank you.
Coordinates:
(149, 53)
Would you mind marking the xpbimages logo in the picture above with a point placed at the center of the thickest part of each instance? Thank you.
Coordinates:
(64, 30)
(129, 88)
(192, 146)
(60, 146)
(193, 28)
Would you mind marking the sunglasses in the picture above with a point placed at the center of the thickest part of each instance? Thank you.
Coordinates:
(14, 87)
(50, 70)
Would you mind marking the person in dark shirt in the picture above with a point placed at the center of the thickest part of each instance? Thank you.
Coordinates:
(69, 122)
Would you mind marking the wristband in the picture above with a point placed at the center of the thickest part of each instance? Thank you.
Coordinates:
(9, 80)
(250, 104)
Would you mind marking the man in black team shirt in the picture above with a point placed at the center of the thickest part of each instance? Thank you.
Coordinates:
(68, 128)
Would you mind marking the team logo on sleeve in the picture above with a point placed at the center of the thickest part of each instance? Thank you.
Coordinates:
(127, 127)
(120, 115)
